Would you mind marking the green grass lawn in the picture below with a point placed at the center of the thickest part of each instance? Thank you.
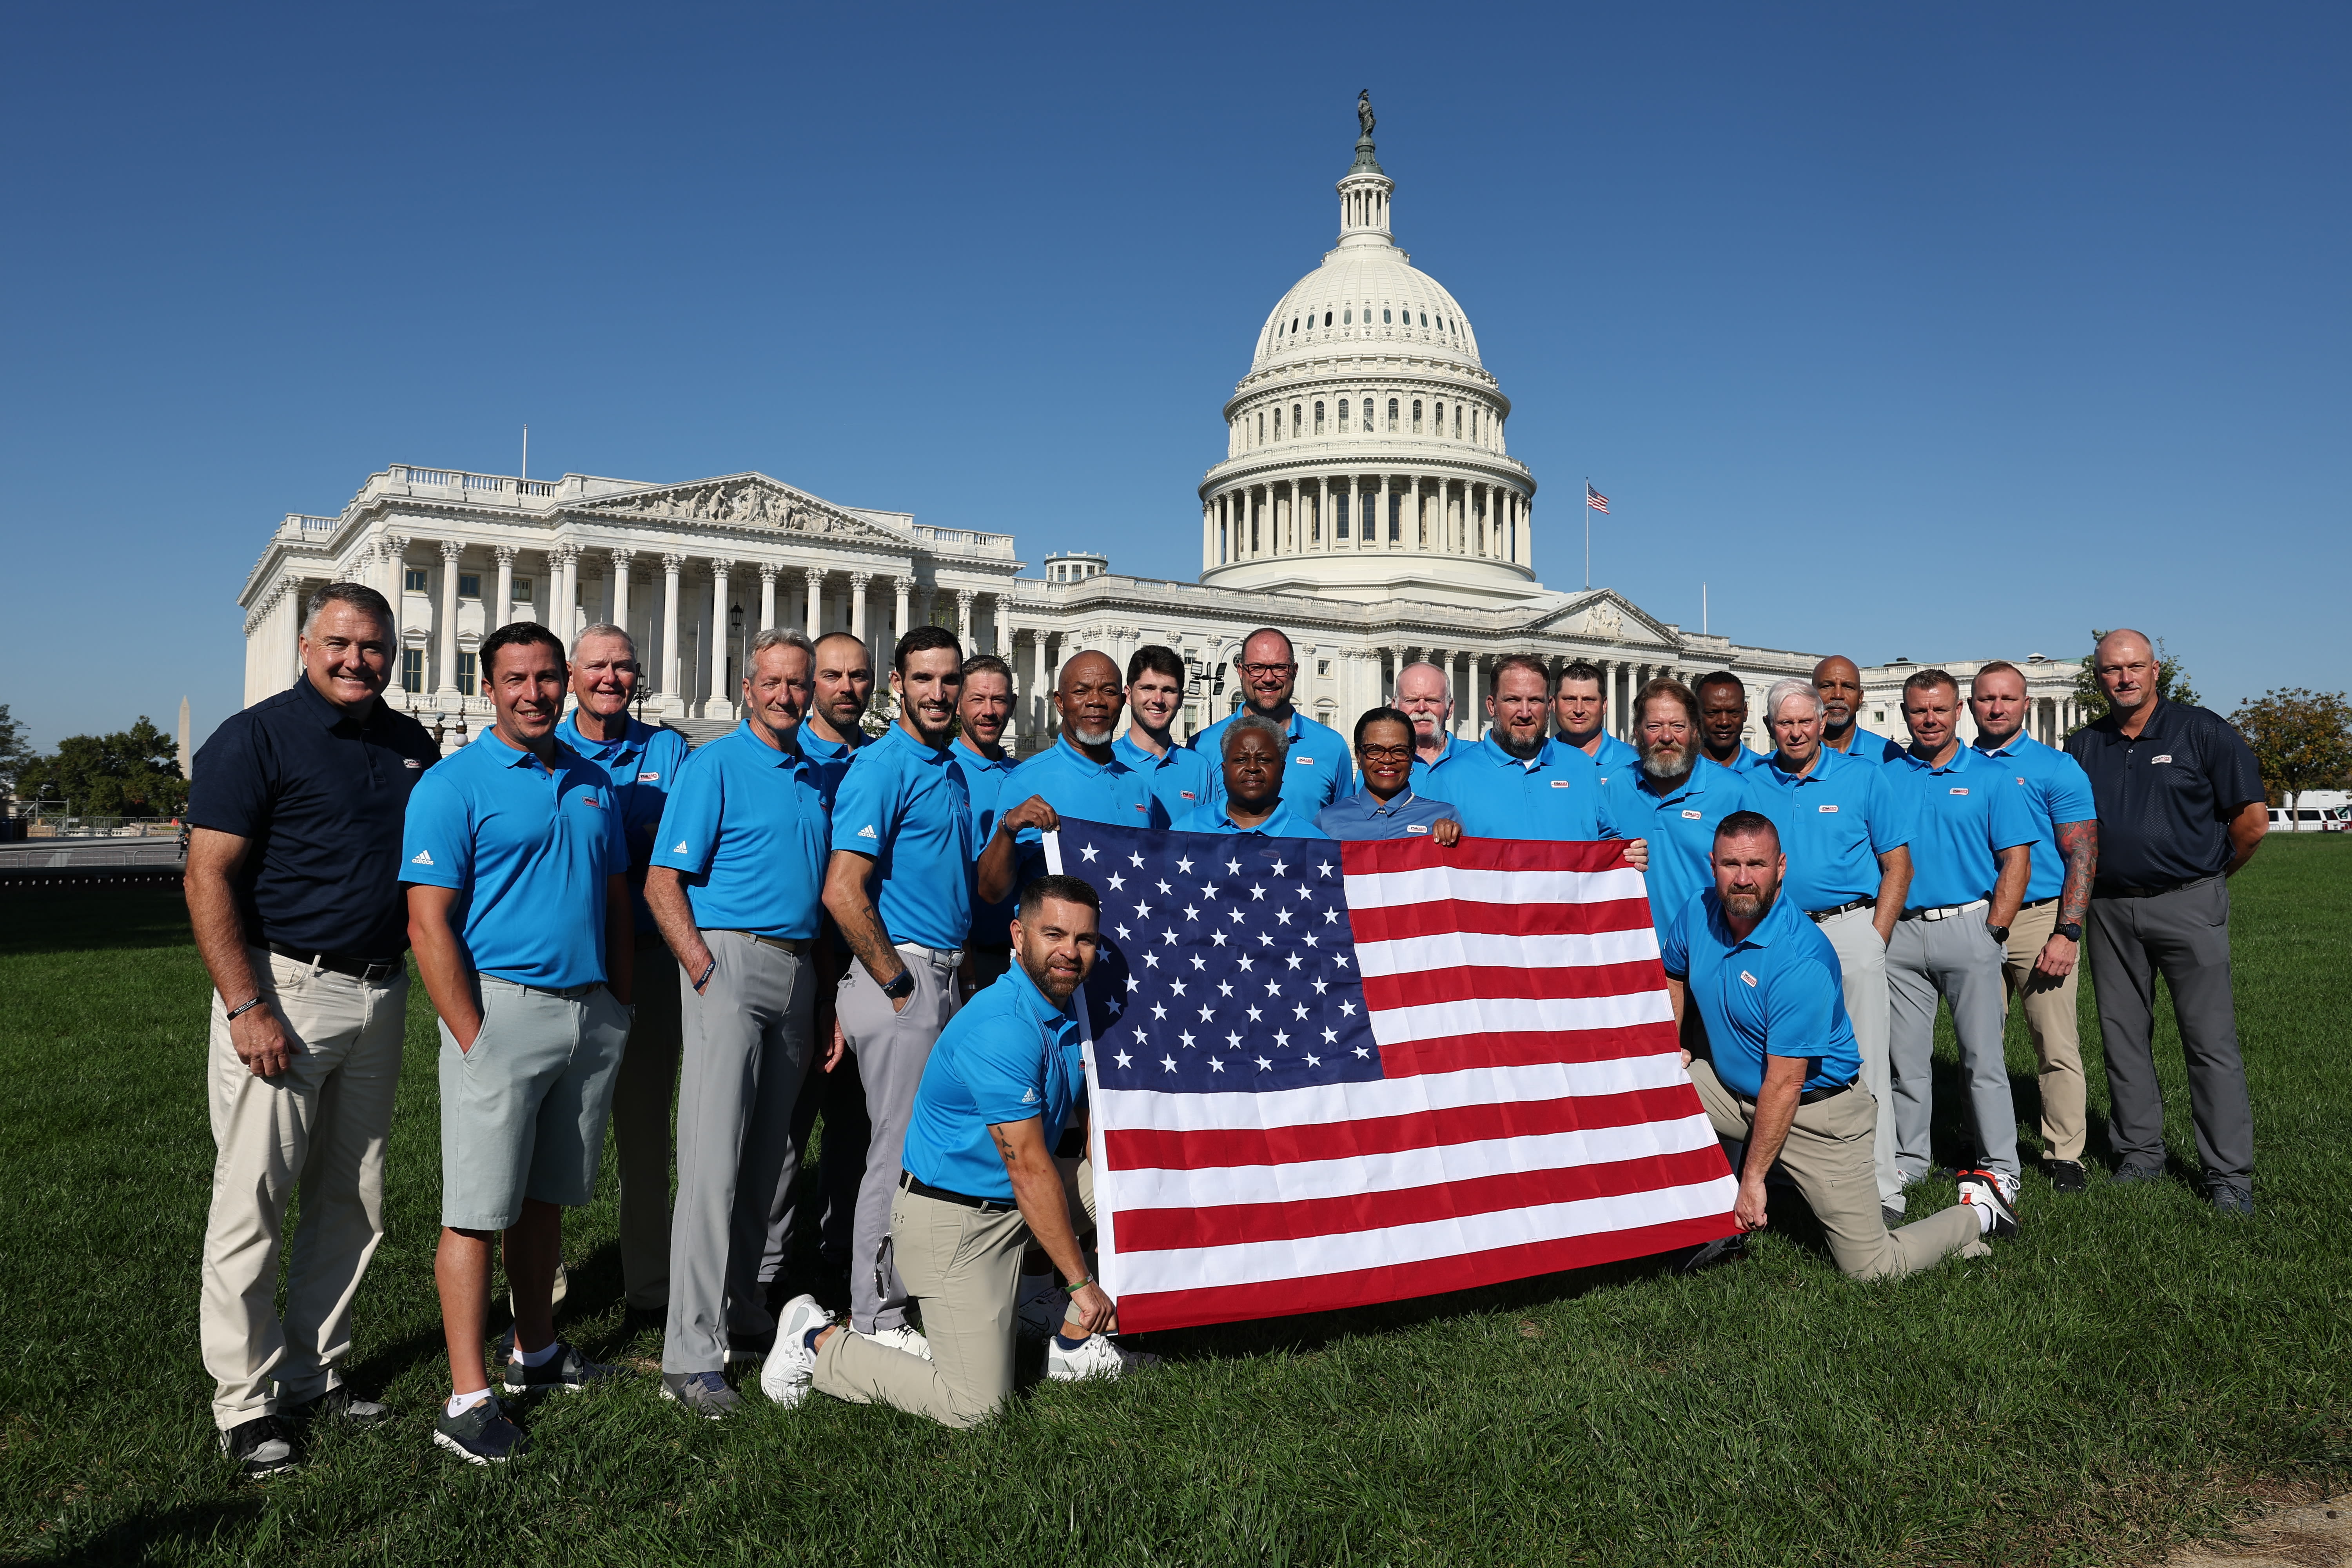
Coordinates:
(2111, 1381)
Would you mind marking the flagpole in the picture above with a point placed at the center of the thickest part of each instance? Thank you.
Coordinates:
(1588, 530)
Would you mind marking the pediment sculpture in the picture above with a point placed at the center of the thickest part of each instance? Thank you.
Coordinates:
(761, 502)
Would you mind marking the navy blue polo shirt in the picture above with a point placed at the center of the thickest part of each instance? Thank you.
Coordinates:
(1680, 827)
(1775, 992)
(1008, 1056)
(983, 782)
(906, 805)
(1611, 756)
(1287, 822)
(1835, 820)
(1962, 813)
(1181, 778)
(530, 846)
(749, 826)
(319, 797)
(1554, 796)
(2166, 799)
(1316, 769)
(640, 766)
(1364, 815)
(2059, 792)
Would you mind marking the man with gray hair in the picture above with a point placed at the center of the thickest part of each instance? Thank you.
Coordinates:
(1847, 835)
(293, 891)
(640, 761)
(1424, 694)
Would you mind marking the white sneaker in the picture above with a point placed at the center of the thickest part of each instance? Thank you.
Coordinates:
(911, 1340)
(1098, 1357)
(1041, 1306)
(785, 1375)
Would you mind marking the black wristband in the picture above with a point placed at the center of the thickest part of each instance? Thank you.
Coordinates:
(242, 1008)
(2071, 929)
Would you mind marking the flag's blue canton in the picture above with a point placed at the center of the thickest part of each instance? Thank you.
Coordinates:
(1227, 963)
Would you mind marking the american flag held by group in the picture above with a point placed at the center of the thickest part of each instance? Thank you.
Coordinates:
(1138, 1032)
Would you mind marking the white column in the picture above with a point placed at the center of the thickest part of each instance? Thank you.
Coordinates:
(815, 575)
(964, 598)
(392, 547)
(445, 678)
(1477, 693)
(1208, 534)
(1003, 647)
(563, 621)
(900, 623)
(718, 706)
(501, 609)
(621, 588)
(1038, 724)
(672, 676)
(1384, 535)
(767, 595)
(857, 582)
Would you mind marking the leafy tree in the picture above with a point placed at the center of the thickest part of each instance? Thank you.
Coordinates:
(132, 772)
(2302, 739)
(2171, 682)
(14, 753)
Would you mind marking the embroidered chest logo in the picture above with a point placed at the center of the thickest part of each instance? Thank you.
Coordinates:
(1832, 810)
(2166, 758)
(1559, 784)
(1187, 793)
(649, 778)
(1302, 762)
(588, 795)
(1692, 816)
(1962, 791)
(1417, 827)
(1747, 977)
(411, 762)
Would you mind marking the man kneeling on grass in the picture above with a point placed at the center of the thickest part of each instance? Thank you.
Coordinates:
(979, 1181)
(1777, 1069)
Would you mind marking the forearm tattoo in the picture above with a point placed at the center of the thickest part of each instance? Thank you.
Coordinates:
(2079, 842)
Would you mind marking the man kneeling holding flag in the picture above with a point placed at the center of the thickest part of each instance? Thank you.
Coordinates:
(1779, 1071)
(980, 1181)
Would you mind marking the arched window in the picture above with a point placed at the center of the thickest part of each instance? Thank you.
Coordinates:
(1458, 421)
(1348, 317)
(1343, 417)
(1416, 415)
(1295, 412)
(1293, 326)
(1339, 511)
(1327, 318)
(1424, 318)
(1384, 316)
(1318, 416)
(1368, 415)
(1261, 426)
(1437, 417)
(1277, 422)
(1392, 416)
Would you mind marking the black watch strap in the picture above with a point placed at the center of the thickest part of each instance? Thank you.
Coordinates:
(1999, 934)
(902, 984)
(2071, 929)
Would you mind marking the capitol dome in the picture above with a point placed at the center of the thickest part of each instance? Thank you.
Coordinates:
(1365, 448)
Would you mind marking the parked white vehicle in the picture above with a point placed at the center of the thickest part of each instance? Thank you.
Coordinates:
(2315, 811)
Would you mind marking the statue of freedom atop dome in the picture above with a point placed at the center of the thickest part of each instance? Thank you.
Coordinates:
(1364, 111)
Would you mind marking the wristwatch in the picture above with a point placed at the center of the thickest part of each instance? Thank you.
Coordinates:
(902, 987)
(2071, 929)
(1999, 934)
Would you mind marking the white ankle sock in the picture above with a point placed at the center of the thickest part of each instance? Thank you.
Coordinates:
(1984, 1218)
(538, 1357)
(458, 1403)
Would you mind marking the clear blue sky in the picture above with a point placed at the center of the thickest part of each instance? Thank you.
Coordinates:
(1922, 332)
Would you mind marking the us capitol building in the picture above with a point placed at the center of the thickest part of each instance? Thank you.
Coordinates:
(1367, 503)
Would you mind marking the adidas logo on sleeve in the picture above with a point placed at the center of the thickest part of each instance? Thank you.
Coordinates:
(866, 831)
(422, 857)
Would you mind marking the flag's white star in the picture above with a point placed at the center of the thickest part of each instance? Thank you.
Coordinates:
(1115, 1006)
(1280, 1038)
(1216, 1063)
(1184, 1039)
(1346, 1009)
(1168, 937)
(1237, 915)
(1225, 987)
(1141, 1039)
(1205, 1013)
(1087, 852)
(1258, 893)
(1331, 917)
(1117, 882)
(1245, 962)
(1217, 938)
(1142, 912)
(1321, 986)
(1255, 1015)
(1274, 987)
(1123, 1059)
(1330, 1036)
(1192, 912)
(1133, 981)
(1233, 868)
(1183, 865)
(1120, 932)
(1151, 961)
(1313, 1060)
(1264, 1065)
(1293, 960)
(1340, 959)
(1164, 887)
(1363, 1052)
(1234, 1041)
(1305, 891)
(1308, 937)
(1280, 869)
(1266, 938)
(1168, 1062)
(1208, 889)
(1282, 917)
(1160, 1010)
(1135, 860)
(1298, 1009)
(1177, 986)
(1324, 868)
(1198, 962)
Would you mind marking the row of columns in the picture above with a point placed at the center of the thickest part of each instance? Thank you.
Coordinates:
(1466, 669)
(1301, 517)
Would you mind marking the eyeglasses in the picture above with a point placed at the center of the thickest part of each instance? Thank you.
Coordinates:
(1385, 753)
(1254, 670)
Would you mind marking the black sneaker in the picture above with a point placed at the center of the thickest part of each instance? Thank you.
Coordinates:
(261, 1446)
(567, 1369)
(2128, 1171)
(1986, 1190)
(2065, 1175)
(340, 1405)
(482, 1435)
(2234, 1201)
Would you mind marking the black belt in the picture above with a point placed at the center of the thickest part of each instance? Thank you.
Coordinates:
(909, 1183)
(2036, 903)
(1815, 1096)
(2152, 892)
(364, 970)
(1818, 916)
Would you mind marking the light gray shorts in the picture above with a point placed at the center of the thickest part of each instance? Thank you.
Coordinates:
(523, 1111)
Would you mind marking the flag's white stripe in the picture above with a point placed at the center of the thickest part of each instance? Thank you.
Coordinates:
(1257, 1262)
(1124, 1109)
(1517, 1016)
(1431, 884)
(1446, 950)
(1404, 1170)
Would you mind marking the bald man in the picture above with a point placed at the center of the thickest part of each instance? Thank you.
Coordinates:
(1083, 776)
(2180, 811)
(1839, 681)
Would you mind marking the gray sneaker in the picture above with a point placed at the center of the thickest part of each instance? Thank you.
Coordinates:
(704, 1393)
(261, 1446)
(341, 1407)
(482, 1435)
(567, 1369)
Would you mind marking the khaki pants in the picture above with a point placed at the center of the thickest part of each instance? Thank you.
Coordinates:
(1828, 1155)
(2051, 1017)
(320, 1125)
(1862, 963)
(641, 1126)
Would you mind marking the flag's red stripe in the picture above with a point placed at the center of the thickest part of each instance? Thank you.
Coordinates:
(1147, 1312)
(1144, 1148)
(1472, 981)
(1445, 917)
(1227, 1225)
(1526, 1048)
(1361, 858)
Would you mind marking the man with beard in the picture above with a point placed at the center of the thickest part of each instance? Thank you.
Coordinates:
(979, 1184)
(1316, 771)
(1082, 775)
(1580, 709)
(1723, 720)
(1668, 799)
(983, 711)
(1180, 777)
(1847, 836)
(898, 888)
(843, 674)
(1510, 784)
(1424, 694)
(1771, 1052)
(1839, 681)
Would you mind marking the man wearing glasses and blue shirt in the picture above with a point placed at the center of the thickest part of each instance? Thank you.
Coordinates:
(1315, 772)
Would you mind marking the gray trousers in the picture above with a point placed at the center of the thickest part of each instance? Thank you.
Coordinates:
(746, 1053)
(893, 1046)
(1862, 963)
(641, 1126)
(2183, 936)
(1958, 960)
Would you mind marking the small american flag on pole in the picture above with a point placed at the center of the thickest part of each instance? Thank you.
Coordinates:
(1594, 499)
(1324, 1074)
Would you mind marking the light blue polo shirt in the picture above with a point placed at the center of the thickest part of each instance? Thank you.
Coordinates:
(1834, 823)
(1364, 815)
(1871, 747)
(1556, 796)
(1960, 814)
(1181, 778)
(2059, 791)
(1425, 773)
(1008, 1056)
(1075, 784)
(1680, 827)
(747, 825)
(820, 750)
(1316, 769)
(641, 766)
(1775, 992)
(530, 848)
(906, 806)
(1613, 756)
(983, 782)
(1287, 822)
(1743, 763)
